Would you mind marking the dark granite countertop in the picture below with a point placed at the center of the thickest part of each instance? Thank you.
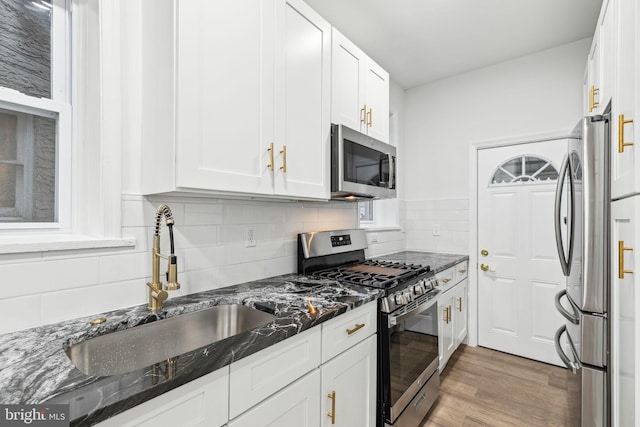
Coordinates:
(437, 261)
(35, 369)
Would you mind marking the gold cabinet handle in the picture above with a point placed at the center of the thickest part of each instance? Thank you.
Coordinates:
(332, 414)
(592, 98)
(446, 280)
(270, 150)
(284, 159)
(447, 314)
(363, 114)
(460, 304)
(621, 143)
(356, 329)
(370, 117)
(464, 270)
(621, 270)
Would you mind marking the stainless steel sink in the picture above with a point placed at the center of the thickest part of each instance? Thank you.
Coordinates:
(141, 346)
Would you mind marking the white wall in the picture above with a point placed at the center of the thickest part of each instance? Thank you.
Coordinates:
(533, 95)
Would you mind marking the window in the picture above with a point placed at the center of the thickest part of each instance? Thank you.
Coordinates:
(524, 169)
(35, 125)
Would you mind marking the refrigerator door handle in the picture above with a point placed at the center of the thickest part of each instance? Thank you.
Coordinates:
(571, 317)
(575, 365)
(565, 261)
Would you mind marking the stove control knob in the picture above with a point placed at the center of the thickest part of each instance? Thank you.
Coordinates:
(428, 285)
(408, 296)
(418, 289)
(399, 299)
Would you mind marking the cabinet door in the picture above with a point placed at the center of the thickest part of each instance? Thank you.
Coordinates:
(446, 341)
(302, 67)
(377, 101)
(224, 95)
(593, 99)
(347, 84)
(607, 50)
(624, 178)
(460, 312)
(348, 393)
(625, 239)
(295, 405)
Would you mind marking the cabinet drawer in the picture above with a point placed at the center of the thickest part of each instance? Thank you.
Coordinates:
(461, 271)
(347, 330)
(201, 402)
(446, 278)
(258, 376)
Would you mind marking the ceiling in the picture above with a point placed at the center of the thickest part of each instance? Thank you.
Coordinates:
(419, 41)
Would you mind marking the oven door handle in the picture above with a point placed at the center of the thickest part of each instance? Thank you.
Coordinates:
(399, 318)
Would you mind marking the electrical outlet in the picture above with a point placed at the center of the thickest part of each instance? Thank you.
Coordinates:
(436, 229)
(250, 236)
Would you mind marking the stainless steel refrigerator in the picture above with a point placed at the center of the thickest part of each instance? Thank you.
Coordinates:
(582, 237)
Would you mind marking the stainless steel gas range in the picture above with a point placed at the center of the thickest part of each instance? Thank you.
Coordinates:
(408, 380)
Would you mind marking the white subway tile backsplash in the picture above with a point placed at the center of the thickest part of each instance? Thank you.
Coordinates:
(116, 268)
(47, 276)
(240, 273)
(203, 214)
(86, 301)
(20, 313)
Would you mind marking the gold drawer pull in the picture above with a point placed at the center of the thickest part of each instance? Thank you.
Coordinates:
(363, 114)
(621, 270)
(460, 304)
(356, 329)
(447, 314)
(446, 280)
(332, 414)
(462, 271)
(621, 143)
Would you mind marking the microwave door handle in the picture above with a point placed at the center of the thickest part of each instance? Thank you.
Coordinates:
(380, 163)
(557, 212)
(392, 167)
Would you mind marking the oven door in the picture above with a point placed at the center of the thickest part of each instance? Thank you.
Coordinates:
(409, 356)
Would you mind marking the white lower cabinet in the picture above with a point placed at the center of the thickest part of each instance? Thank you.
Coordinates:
(452, 309)
(349, 387)
(625, 298)
(284, 385)
(202, 402)
(295, 405)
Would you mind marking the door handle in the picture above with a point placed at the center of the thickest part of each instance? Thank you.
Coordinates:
(485, 267)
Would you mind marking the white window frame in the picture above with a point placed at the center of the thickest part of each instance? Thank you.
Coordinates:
(57, 108)
(89, 136)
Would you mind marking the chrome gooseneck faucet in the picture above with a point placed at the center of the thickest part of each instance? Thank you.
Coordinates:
(157, 292)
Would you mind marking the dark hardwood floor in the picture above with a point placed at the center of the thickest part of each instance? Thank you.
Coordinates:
(482, 387)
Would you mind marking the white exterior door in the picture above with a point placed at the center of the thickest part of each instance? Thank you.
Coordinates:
(519, 273)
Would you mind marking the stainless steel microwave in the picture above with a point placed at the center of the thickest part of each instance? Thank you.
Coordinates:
(362, 167)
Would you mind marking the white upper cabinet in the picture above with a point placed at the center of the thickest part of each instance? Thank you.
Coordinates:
(235, 98)
(600, 62)
(360, 90)
(625, 178)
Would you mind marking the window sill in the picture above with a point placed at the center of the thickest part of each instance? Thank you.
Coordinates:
(50, 243)
(376, 228)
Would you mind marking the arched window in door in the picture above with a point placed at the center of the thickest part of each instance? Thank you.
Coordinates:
(524, 169)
